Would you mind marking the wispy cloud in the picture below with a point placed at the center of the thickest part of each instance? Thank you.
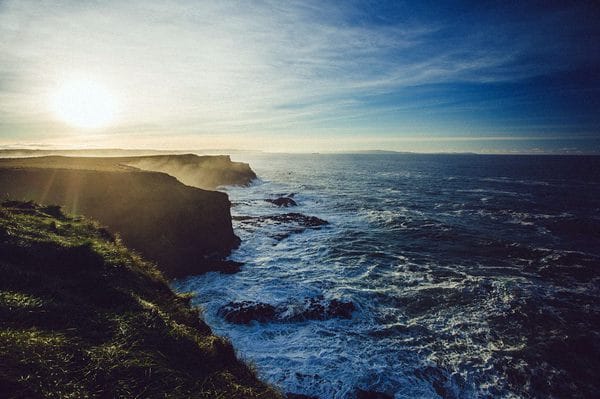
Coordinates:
(250, 67)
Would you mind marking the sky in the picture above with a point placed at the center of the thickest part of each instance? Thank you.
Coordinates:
(479, 76)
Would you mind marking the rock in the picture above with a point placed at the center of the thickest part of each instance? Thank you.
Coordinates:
(225, 266)
(314, 310)
(362, 394)
(293, 223)
(298, 396)
(300, 219)
(340, 309)
(317, 308)
(282, 201)
(245, 312)
(285, 218)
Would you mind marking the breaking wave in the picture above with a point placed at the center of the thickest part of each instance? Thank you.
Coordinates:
(461, 276)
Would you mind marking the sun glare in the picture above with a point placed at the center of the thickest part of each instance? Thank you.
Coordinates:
(84, 104)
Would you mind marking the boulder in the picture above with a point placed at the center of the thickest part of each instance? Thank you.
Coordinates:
(299, 396)
(245, 312)
(341, 309)
(317, 308)
(362, 394)
(291, 223)
(300, 219)
(282, 201)
(320, 309)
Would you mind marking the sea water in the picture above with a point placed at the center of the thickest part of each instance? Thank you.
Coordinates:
(472, 276)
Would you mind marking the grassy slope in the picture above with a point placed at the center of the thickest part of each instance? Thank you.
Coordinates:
(170, 223)
(82, 316)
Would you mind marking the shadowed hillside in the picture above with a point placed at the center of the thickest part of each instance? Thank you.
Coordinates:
(173, 224)
(82, 317)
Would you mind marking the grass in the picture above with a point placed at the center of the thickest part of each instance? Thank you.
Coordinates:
(180, 227)
(81, 316)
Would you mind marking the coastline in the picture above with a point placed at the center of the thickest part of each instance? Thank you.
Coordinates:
(185, 229)
(409, 292)
(140, 207)
(82, 316)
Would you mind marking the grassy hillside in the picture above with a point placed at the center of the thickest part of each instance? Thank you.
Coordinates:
(168, 222)
(83, 317)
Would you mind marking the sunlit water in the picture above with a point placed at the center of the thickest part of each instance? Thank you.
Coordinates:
(473, 276)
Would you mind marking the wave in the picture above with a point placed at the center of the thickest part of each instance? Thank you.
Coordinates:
(507, 180)
(464, 285)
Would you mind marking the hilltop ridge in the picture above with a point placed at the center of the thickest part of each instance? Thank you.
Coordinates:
(82, 316)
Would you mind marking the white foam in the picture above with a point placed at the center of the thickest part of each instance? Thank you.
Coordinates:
(415, 309)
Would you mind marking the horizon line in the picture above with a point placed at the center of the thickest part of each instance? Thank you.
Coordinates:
(223, 151)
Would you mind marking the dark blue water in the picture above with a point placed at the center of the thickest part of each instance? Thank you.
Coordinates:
(472, 276)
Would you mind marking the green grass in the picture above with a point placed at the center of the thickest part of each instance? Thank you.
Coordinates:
(81, 316)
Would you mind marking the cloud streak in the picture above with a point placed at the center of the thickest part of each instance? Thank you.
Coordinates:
(280, 68)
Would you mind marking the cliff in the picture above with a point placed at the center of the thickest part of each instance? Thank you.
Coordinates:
(83, 317)
(184, 229)
(207, 172)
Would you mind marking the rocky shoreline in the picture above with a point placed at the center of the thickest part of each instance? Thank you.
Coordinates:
(82, 316)
(186, 230)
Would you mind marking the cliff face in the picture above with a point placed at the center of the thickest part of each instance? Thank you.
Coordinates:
(199, 171)
(83, 317)
(168, 222)
(207, 172)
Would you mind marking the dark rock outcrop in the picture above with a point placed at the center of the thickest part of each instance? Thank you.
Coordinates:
(245, 312)
(291, 223)
(224, 266)
(300, 219)
(362, 394)
(282, 202)
(297, 219)
(299, 396)
(179, 227)
(317, 308)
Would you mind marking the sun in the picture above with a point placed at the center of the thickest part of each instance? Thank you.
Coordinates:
(84, 103)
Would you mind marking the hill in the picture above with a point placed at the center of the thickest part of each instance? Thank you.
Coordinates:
(182, 228)
(83, 317)
(207, 172)
(186, 230)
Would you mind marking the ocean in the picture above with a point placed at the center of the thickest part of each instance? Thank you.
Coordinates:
(460, 276)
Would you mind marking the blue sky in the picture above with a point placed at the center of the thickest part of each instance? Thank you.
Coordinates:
(308, 76)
